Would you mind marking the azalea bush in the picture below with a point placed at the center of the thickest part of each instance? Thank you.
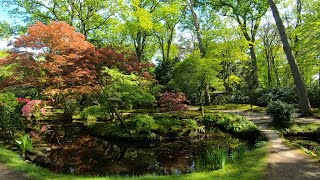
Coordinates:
(34, 108)
(170, 101)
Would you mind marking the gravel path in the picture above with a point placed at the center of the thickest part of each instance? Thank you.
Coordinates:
(284, 162)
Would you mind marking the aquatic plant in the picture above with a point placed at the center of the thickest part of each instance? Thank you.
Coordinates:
(212, 159)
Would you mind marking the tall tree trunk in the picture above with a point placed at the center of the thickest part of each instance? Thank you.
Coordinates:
(300, 86)
(254, 83)
(200, 45)
(197, 27)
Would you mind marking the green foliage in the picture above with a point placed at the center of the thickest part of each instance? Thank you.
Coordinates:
(131, 89)
(164, 70)
(145, 127)
(260, 144)
(5, 30)
(281, 113)
(109, 130)
(9, 113)
(134, 96)
(25, 144)
(94, 112)
(25, 92)
(191, 128)
(6, 71)
(311, 129)
(239, 97)
(234, 124)
(193, 75)
(3, 53)
(262, 97)
(238, 152)
(142, 124)
(212, 159)
(230, 122)
(70, 107)
(314, 96)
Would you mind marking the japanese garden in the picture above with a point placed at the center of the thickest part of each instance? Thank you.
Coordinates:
(159, 89)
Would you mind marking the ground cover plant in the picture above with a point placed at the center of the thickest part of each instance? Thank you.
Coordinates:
(304, 136)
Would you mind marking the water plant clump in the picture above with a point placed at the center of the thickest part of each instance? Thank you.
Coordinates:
(215, 159)
(212, 159)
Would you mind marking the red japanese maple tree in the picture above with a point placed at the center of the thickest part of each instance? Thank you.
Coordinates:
(58, 59)
(173, 101)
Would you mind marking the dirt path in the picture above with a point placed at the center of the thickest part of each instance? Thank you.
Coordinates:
(284, 162)
(6, 174)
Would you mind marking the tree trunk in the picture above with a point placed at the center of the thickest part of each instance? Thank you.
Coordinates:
(254, 83)
(200, 45)
(300, 86)
(197, 27)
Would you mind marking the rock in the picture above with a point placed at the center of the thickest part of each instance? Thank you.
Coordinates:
(42, 161)
(32, 158)
(46, 149)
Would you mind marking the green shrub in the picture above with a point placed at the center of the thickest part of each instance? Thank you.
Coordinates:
(260, 144)
(234, 124)
(109, 130)
(94, 112)
(230, 122)
(281, 113)
(142, 124)
(314, 96)
(10, 117)
(191, 128)
(262, 97)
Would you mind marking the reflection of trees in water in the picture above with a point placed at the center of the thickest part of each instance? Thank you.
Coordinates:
(89, 155)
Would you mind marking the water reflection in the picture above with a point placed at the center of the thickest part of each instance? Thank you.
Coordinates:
(91, 155)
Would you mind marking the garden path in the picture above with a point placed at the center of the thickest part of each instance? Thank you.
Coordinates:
(6, 174)
(284, 162)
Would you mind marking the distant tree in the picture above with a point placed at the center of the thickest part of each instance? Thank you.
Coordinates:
(248, 14)
(87, 16)
(193, 75)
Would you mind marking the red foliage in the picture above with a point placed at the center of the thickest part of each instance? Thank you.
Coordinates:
(62, 61)
(170, 101)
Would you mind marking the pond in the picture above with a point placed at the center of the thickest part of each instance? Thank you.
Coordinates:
(91, 155)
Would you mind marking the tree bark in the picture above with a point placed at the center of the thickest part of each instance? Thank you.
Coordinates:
(197, 27)
(300, 86)
(254, 82)
(200, 45)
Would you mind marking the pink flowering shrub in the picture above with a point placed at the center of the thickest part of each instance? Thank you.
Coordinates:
(34, 108)
(23, 101)
(170, 101)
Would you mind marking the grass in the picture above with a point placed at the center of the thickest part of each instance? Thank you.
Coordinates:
(252, 166)
(242, 107)
(296, 129)
(304, 136)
